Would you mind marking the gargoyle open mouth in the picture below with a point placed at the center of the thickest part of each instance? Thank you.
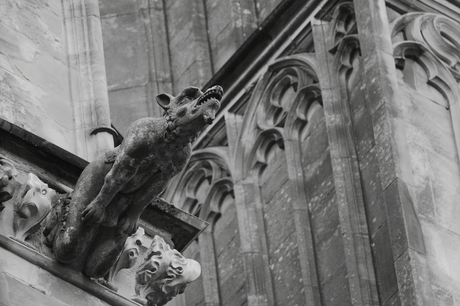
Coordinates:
(215, 92)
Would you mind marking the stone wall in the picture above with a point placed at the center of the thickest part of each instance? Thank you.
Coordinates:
(155, 46)
(341, 155)
(52, 73)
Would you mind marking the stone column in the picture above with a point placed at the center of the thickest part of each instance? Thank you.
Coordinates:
(88, 85)
(251, 228)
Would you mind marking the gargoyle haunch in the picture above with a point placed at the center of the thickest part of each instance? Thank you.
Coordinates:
(114, 189)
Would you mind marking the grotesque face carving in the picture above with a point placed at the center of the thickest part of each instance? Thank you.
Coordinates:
(7, 181)
(34, 205)
(164, 274)
(129, 254)
(192, 108)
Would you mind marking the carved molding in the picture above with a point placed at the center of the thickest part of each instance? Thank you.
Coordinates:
(164, 273)
(275, 111)
(204, 183)
(343, 24)
(432, 41)
(437, 33)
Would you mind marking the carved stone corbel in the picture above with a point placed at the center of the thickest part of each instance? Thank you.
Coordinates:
(8, 181)
(33, 206)
(127, 259)
(164, 274)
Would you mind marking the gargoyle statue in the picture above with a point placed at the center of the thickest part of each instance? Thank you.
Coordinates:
(115, 188)
(164, 274)
(7, 181)
(35, 204)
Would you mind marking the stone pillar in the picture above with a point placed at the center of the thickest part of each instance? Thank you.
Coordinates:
(87, 79)
(251, 229)
(352, 214)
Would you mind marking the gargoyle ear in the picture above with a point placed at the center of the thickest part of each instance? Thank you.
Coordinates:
(163, 100)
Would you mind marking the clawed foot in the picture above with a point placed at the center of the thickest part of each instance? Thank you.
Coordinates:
(127, 225)
(93, 214)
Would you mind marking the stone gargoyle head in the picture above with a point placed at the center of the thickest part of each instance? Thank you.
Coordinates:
(164, 274)
(7, 181)
(34, 204)
(190, 111)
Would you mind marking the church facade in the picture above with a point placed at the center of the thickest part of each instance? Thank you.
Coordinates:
(330, 175)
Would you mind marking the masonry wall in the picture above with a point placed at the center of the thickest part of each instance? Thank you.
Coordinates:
(53, 75)
(156, 46)
(35, 87)
(345, 194)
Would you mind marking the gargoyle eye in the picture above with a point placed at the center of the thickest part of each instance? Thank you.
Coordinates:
(191, 92)
(44, 191)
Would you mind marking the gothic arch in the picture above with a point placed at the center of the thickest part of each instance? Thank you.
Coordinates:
(432, 42)
(207, 176)
(272, 100)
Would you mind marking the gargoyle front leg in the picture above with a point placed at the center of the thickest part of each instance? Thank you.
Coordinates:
(120, 174)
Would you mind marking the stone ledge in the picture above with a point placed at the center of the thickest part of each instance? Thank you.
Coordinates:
(65, 273)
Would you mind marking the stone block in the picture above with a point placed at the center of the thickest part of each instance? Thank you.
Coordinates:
(115, 8)
(372, 191)
(233, 287)
(393, 301)
(330, 257)
(403, 222)
(316, 161)
(336, 291)
(125, 45)
(324, 217)
(361, 120)
(374, 32)
(274, 175)
(384, 264)
(278, 213)
(286, 273)
(128, 105)
(443, 247)
(384, 147)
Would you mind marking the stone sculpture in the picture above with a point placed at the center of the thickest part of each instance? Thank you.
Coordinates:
(164, 274)
(115, 188)
(127, 259)
(33, 206)
(7, 181)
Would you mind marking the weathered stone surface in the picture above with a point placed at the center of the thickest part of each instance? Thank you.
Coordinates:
(361, 120)
(443, 247)
(125, 45)
(128, 105)
(372, 191)
(113, 190)
(277, 213)
(164, 273)
(325, 218)
(384, 263)
(336, 291)
(330, 256)
(316, 160)
(33, 46)
(41, 285)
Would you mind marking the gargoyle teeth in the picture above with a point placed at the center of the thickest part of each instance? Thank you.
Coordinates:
(215, 92)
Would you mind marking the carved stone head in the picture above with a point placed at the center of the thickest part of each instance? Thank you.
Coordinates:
(7, 181)
(34, 204)
(192, 109)
(164, 274)
(129, 254)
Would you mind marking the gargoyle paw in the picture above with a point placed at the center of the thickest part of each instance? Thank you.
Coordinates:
(127, 225)
(93, 214)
